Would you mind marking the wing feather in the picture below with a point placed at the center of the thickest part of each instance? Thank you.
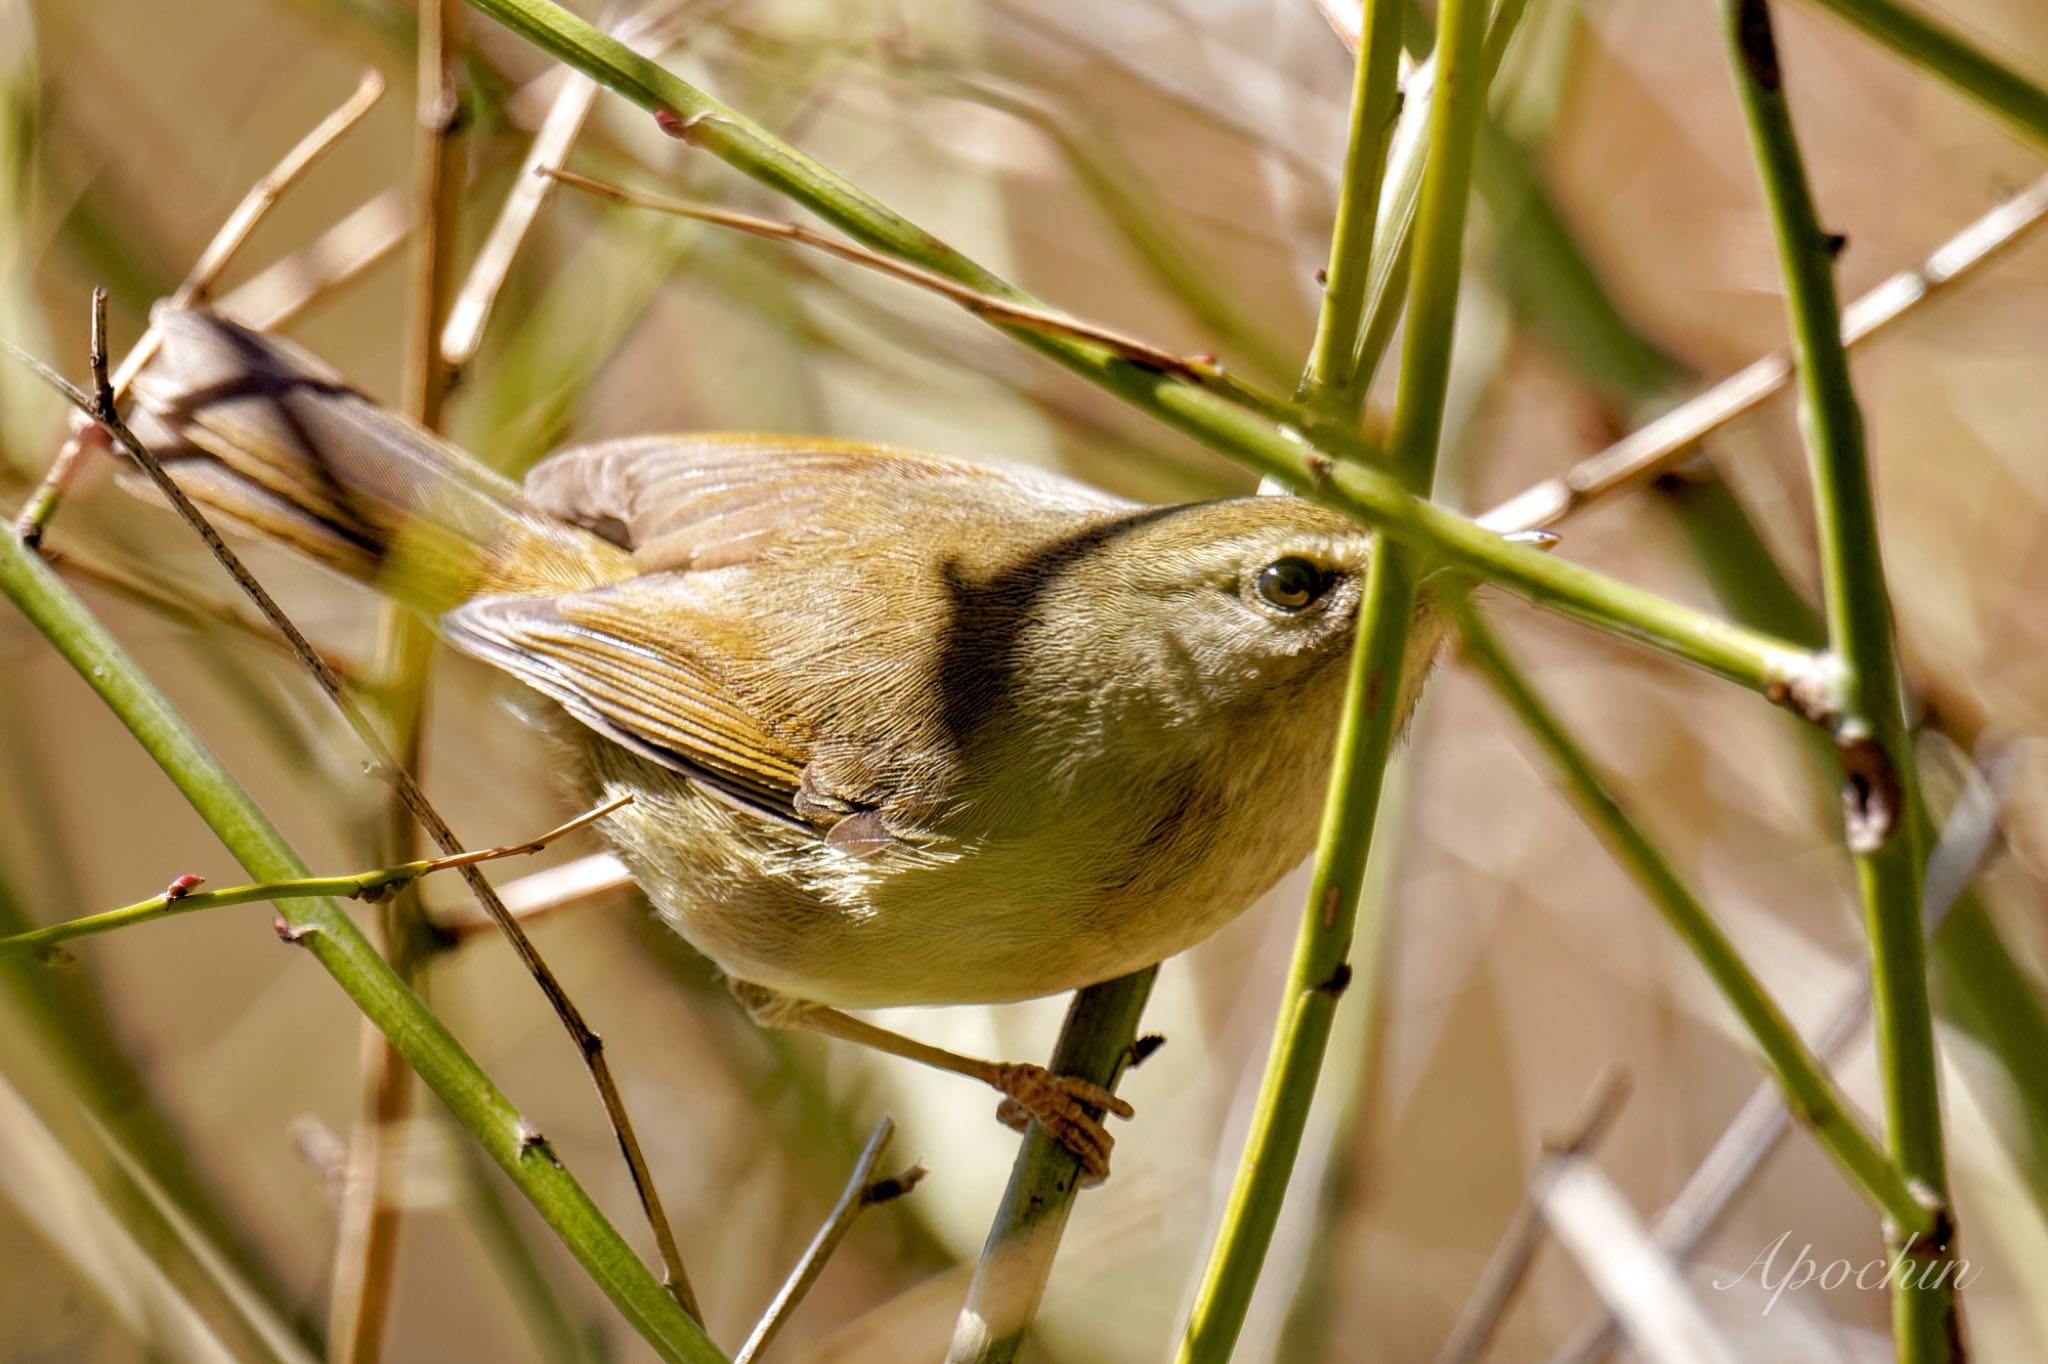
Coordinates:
(692, 502)
(593, 656)
(679, 663)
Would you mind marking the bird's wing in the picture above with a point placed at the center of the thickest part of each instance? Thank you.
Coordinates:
(689, 502)
(637, 663)
(696, 663)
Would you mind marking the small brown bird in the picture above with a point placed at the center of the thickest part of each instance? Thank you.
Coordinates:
(899, 729)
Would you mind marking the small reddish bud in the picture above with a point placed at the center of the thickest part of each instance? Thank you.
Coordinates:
(183, 886)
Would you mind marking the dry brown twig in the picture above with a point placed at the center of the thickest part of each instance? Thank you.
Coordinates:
(1004, 311)
(1509, 1265)
(361, 1282)
(863, 1191)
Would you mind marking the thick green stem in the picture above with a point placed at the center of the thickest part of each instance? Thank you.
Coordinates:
(1940, 50)
(1217, 420)
(1809, 1092)
(1320, 970)
(324, 931)
(1096, 1044)
(1375, 105)
(1867, 697)
(1551, 280)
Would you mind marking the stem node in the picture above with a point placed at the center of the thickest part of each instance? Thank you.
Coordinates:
(1871, 792)
(1338, 983)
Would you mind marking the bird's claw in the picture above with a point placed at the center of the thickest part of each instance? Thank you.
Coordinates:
(1061, 1104)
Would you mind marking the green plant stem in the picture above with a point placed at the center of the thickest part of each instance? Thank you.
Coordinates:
(1940, 50)
(372, 885)
(1868, 696)
(508, 1243)
(1987, 992)
(1809, 1092)
(1095, 1043)
(1369, 495)
(1393, 247)
(324, 931)
(1375, 105)
(1320, 970)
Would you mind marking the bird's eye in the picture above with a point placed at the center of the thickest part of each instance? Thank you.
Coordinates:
(1291, 584)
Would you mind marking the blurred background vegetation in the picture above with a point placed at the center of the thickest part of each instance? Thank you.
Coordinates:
(175, 1103)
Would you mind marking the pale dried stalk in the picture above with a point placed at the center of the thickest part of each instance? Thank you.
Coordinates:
(647, 32)
(219, 253)
(360, 1290)
(1509, 1264)
(587, 880)
(365, 235)
(1591, 1218)
(1655, 447)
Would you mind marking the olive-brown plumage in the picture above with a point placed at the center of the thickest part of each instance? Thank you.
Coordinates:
(900, 729)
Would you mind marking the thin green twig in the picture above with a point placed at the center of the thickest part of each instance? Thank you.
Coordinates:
(320, 927)
(1387, 276)
(1321, 971)
(1866, 700)
(369, 886)
(1375, 105)
(1809, 1092)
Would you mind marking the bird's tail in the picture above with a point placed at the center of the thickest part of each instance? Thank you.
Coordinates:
(267, 436)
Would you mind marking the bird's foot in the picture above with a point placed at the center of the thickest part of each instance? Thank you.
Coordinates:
(1062, 1105)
